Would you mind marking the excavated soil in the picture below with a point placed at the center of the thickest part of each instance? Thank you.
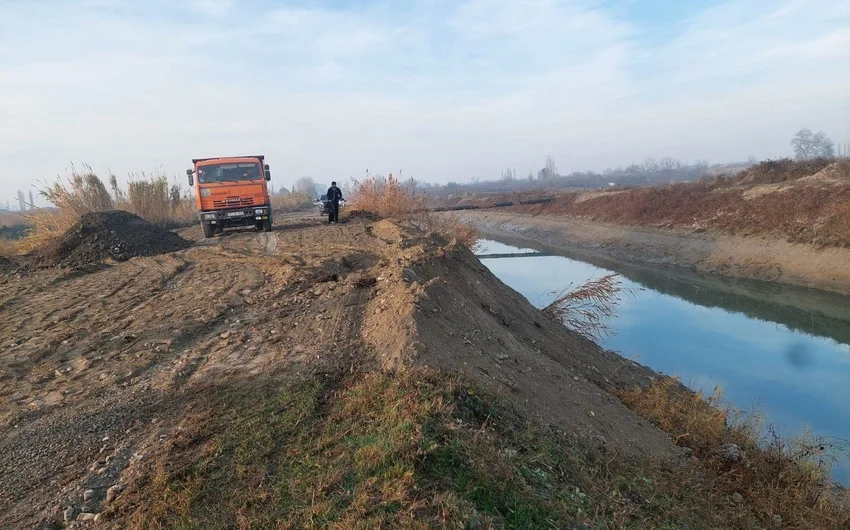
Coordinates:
(98, 236)
(98, 370)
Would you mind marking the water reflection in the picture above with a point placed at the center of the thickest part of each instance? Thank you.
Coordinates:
(782, 351)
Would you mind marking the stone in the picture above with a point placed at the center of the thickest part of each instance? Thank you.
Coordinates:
(112, 492)
(68, 514)
(87, 495)
(86, 516)
(737, 498)
(731, 453)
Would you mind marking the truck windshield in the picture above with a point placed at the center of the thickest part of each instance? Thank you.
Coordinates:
(228, 172)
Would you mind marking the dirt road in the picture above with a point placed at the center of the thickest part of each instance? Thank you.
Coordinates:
(98, 368)
(749, 257)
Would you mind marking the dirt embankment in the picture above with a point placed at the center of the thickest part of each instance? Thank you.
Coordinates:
(98, 371)
(779, 221)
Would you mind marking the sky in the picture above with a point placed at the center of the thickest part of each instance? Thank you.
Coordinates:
(442, 90)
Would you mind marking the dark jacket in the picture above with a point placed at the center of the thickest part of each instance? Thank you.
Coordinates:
(334, 195)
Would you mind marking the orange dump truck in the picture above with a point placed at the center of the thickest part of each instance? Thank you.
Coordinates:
(231, 191)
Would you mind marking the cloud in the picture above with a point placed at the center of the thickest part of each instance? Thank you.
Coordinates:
(445, 90)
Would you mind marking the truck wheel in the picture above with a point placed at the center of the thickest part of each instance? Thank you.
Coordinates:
(267, 224)
(209, 229)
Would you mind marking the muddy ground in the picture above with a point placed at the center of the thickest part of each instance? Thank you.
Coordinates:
(98, 368)
(750, 257)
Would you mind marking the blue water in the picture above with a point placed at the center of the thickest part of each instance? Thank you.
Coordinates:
(795, 380)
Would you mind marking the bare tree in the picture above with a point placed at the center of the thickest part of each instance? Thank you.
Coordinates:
(649, 166)
(827, 147)
(31, 204)
(306, 185)
(812, 145)
(509, 174)
(669, 164)
(22, 203)
(551, 170)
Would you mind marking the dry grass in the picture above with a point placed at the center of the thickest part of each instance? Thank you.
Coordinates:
(153, 199)
(418, 449)
(814, 211)
(292, 202)
(148, 196)
(391, 199)
(783, 482)
(588, 308)
(388, 198)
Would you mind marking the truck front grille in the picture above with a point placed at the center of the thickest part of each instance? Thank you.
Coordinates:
(234, 202)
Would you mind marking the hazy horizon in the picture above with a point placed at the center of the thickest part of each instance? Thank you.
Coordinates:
(444, 91)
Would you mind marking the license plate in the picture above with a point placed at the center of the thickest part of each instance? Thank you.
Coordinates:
(235, 214)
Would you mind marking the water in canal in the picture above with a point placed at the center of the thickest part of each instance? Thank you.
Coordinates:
(782, 351)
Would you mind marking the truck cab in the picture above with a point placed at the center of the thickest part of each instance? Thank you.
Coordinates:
(231, 191)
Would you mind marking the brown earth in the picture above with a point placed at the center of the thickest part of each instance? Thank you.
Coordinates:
(115, 235)
(98, 369)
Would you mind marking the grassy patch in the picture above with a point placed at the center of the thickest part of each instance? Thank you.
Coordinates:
(785, 481)
(411, 450)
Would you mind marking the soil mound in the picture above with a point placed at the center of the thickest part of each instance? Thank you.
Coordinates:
(438, 306)
(97, 236)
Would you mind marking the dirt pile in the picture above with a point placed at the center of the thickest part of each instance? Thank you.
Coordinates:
(116, 235)
(436, 305)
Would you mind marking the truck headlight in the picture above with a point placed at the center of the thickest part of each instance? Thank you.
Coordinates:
(259, 211)
(209, 216)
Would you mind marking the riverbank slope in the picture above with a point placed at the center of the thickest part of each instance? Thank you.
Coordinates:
(748, 257)
(779, 221)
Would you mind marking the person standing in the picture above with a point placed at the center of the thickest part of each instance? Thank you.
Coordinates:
(334, 196)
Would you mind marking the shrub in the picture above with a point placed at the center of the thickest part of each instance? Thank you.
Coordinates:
(403, 201)
(388, 198)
